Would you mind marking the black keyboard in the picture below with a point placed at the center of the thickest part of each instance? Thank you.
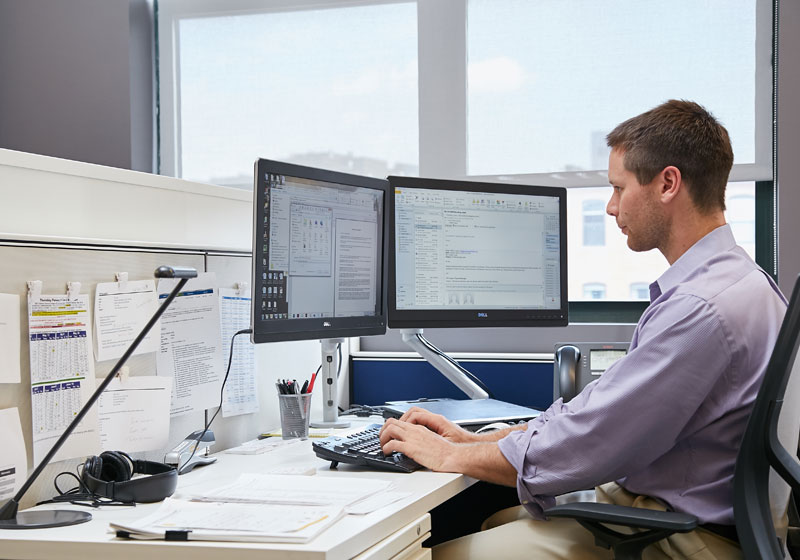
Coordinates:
(362, 448)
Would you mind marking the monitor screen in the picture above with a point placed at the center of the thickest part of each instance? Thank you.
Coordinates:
(469, 254)
(319, 249)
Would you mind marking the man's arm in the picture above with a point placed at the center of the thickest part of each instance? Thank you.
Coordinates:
(482, 460)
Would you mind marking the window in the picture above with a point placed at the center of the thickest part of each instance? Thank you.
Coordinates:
(332, 88)
(640, 290)
(545, 77)
(497, 90)
(614, 265)
(594, 223)
(741, 216)
(594, 290)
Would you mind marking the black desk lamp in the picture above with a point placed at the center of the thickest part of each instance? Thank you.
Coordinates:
(9, 517)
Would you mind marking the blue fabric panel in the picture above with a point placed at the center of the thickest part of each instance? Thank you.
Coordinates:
(373, 382)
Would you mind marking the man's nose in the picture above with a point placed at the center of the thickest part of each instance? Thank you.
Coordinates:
(611, 207)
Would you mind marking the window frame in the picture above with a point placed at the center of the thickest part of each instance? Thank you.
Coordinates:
(443, 97)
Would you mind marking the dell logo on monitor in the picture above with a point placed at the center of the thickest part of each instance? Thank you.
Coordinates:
(326, 324)
(483, 314)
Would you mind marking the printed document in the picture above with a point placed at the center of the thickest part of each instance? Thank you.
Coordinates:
(295, 490)
(241, 391)
(9, 338)
(121, 310)
(216, 521)
(134, 414)
(191, 347)
(62, 374)
(14, 459)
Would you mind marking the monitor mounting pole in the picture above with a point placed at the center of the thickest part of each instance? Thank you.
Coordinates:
(329, 385)
(435, 357)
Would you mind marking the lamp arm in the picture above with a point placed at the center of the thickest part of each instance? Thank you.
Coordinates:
(9, 509)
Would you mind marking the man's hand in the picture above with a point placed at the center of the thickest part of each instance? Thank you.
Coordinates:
(438, 452)
(439, 424)
(418, 442)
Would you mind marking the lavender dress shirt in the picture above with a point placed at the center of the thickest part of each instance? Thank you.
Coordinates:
(666, 420)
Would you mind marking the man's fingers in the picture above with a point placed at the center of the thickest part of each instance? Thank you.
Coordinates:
(392, 429)
(410, 412)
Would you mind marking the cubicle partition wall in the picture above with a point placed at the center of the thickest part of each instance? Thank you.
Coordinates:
(64, 221)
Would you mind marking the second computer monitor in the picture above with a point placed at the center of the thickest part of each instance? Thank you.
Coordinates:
(319, 267)
(472, 254)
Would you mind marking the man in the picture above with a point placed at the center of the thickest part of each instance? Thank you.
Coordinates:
(662, 426)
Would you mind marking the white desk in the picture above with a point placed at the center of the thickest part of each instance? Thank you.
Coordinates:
(394, 531)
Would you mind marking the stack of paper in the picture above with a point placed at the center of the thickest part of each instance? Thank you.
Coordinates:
(259, 507)
(287, 489)
(214, 521)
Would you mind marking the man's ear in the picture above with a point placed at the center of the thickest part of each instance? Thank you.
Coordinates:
(671, 183)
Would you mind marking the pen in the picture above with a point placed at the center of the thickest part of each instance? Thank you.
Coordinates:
(311, 385)
(304, 390)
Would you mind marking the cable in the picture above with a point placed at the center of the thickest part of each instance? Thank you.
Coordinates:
(339, 366)
(221, 398)
(463, 370)
(364, 410)
(81, 495)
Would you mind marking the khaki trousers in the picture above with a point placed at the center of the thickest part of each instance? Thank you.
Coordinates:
(512, 533)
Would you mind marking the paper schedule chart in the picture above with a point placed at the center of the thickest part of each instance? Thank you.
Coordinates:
(241, 392)
(62, 373)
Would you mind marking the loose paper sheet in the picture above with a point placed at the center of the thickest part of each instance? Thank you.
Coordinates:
(241, 391)
(121, 310)
(9, 338)
(293, 490)
(191, 347)
(134, 414)
(233, 522)
(62, 374)
(14, 459)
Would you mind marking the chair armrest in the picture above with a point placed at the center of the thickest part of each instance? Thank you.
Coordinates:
(641, 518)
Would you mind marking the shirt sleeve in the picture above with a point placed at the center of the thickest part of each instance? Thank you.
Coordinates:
(630, 416)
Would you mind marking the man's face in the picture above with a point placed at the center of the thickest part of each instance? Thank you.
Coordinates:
(635, 207)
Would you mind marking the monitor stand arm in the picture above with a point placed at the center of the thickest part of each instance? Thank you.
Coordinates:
(329, 385)
(439, 360)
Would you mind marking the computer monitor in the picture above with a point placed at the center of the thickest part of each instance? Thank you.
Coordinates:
(319, 263)
(319, 266)
(476, 254)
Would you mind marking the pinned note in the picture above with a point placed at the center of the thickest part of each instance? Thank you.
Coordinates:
(121, 310)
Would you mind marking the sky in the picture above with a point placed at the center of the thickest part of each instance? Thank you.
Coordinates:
(546, 81)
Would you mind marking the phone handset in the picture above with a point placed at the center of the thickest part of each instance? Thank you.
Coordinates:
(566, 365)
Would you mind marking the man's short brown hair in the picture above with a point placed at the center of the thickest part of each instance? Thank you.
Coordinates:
(683, 134)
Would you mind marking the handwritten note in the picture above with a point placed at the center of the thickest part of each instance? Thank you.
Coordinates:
(134, 414)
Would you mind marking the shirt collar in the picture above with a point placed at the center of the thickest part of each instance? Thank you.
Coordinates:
(717, 241)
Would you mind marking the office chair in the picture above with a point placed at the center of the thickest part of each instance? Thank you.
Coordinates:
(766, 471)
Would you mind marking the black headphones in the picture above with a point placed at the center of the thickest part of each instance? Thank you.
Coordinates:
(109, 476)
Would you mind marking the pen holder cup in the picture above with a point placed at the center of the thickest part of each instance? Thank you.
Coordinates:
(295, 413)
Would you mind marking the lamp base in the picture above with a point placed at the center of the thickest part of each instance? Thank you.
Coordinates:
(45, 519)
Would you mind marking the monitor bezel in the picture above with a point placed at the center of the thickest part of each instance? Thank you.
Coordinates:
(315, 328)
(443, 318)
